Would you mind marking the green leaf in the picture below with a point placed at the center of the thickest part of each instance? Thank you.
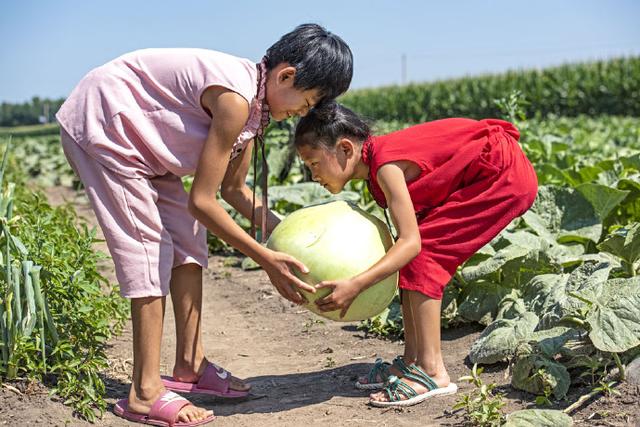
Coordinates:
(614, 316)
(538, 418)
(551, 341)
(625, 243)
(494, 263)
(631, 162)
(543, 291)
(512, 306)
(306, 193)
(604, 199)
(499, 340)
(631, 182)
(278, 160)
(565, 214)
(249, 264)
(548, 173)
(555, 375)
(480, 304)
(449, 309)
(587, 279)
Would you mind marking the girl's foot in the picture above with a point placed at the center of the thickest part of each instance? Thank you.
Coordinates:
(381, 371)
(188, 374)
(437, 379)
(141, 404)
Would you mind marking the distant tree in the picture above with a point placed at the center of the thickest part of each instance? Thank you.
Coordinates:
(38, 110)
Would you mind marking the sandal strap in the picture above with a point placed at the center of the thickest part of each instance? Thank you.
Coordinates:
(427, 383)
(380, 368)
(215, 378)
(401, 365)
(418, 375)
(397, 388)
(167, 407)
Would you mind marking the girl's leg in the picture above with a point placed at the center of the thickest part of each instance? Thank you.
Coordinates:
(410, 340)
(186, 295)
(410, 333)
(427, 312)
(426, 315)
(147, 315)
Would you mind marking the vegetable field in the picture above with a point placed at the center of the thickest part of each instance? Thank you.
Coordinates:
(555, 298)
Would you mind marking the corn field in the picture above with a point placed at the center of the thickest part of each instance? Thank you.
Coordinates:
(605, 87)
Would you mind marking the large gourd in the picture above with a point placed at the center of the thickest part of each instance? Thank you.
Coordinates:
(337, 240)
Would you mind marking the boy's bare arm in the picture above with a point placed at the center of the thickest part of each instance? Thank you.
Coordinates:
(229, 113)
(228, 108)
(238, 194)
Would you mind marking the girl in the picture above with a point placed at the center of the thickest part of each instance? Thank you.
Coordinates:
(131, 129)
(451, 186)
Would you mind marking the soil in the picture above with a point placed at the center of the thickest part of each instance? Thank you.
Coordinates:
(302, 367)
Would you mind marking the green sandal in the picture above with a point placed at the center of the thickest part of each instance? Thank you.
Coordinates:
(381, 370)
(402, 394)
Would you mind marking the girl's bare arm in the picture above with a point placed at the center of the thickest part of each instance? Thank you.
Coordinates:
(392, 181)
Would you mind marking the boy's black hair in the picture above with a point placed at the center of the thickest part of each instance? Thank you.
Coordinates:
(328, 122)
(322, 60)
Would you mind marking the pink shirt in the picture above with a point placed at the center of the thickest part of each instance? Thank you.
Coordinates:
(140, 114)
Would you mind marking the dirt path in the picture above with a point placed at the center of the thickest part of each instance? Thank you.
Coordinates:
(301, 367)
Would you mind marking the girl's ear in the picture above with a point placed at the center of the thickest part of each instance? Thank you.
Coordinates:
(346, 146)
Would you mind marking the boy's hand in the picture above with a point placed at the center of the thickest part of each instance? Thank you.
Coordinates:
(279, 269)
(343, 294)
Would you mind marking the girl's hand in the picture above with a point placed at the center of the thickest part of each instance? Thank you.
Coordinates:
(279, 269)
(343, 294)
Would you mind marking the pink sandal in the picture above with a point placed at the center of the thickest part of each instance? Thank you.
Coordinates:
(214, 381)
(164, 412)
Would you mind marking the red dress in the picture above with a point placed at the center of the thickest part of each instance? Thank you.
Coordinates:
(474, 181)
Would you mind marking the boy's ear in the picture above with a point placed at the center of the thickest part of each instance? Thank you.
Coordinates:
(287, 74)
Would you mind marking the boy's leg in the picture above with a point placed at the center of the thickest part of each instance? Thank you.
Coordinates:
(190, 256)
(147, 316)
(186, 295)
(426, 315)
(124, 209)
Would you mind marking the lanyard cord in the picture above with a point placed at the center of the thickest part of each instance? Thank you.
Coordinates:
(386, 216)
(259, 144)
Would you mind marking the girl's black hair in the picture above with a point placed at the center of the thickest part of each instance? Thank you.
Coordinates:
(328, 122)
(322, 60)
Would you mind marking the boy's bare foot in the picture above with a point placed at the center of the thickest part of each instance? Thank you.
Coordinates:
(142, 405)
(188, 374)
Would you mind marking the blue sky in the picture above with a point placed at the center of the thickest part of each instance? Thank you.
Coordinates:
(47, 46)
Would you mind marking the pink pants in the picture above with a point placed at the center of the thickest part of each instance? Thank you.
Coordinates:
(145, 222)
